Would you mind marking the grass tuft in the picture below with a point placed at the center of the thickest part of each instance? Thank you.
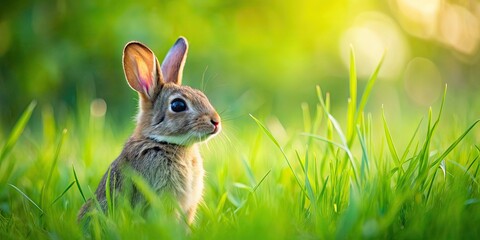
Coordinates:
(363, 177)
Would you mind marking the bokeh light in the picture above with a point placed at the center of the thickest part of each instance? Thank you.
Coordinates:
(460, 29)
(423, 81)
(372, 35)
(455, 23)
(419, 17)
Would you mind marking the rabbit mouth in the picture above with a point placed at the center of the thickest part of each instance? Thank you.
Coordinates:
(212, 130)
(216, 130)
(188, 139)
(208, 134)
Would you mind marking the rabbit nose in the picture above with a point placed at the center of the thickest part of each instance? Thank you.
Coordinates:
(215, 119)
(214, 122)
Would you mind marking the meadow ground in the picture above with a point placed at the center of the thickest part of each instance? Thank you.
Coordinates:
(345, 176)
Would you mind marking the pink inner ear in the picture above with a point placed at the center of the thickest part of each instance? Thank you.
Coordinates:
(144, 77)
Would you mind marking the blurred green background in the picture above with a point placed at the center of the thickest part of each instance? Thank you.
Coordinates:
(247, 55)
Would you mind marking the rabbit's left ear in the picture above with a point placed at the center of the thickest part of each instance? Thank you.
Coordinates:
(141, 69)
(172, 66)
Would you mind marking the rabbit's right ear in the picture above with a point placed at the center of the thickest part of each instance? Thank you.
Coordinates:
(142, 69)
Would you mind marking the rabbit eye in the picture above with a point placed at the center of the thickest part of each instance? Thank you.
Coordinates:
(178, 105)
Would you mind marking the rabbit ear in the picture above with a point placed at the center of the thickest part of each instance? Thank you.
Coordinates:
(172, 66)
(141, 69)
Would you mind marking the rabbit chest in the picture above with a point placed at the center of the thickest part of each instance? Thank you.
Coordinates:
(172, 169)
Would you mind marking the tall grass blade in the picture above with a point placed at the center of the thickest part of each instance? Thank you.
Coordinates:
(461, 167)
(261, 181)
(303, 195)
(441, 108)
(454, 144)
(317, 122)
(423, 169)
(424, 155)
(108, 193)
(250, 175)
(473, 162)
(350, 217)
(272, 138)
(407, 148)
(324, 187)
(430, 187)
(255, 148)
(352, 104)
(346, 147)
(63, 193)
(324, 139)
(221, 203)
(368, 88)
(341, 146)
(307, 120)
(315, 173)
(17, 131)
(476, 171)
(308, 186)
(364, 164)
(242, 186)
(26, 197)
(78, 184)
(443, 166)
(391, 145)
(299, 159)
(54, 163)
(320, 97)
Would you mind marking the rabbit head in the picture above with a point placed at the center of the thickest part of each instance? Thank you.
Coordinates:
(169, 112)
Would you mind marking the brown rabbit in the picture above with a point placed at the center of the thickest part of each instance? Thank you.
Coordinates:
(171, 120)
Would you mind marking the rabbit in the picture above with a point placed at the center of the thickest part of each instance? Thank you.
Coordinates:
(172, 119)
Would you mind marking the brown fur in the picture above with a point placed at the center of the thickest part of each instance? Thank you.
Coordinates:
(163, 147)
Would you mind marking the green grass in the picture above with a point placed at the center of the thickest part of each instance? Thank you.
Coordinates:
(328, 180)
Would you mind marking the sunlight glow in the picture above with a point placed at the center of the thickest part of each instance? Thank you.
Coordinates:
(371, 35)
